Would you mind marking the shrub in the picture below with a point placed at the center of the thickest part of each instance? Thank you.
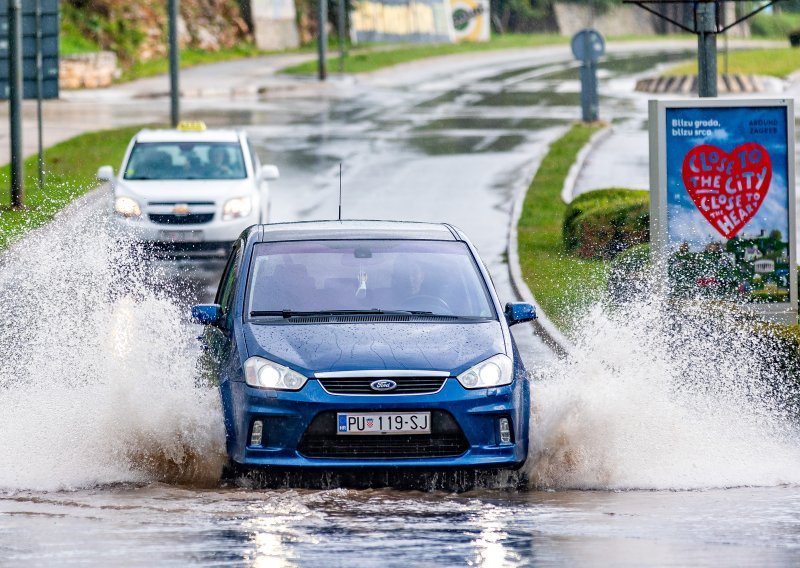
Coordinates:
(777, 26)
(601, 224)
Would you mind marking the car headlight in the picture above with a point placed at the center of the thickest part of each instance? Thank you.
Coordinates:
(493, 372)
(237, 207)
(127, 207)
(265, 374)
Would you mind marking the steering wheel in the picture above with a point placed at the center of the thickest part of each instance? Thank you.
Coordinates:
(428, 303)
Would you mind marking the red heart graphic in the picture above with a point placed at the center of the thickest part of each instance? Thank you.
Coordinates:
(727, 188)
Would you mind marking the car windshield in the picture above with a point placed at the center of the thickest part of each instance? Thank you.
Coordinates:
(185, 160)
(422, 277)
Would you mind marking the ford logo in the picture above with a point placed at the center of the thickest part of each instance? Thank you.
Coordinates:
(383, 385)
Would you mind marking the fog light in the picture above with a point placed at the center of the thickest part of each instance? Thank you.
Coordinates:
(258, 430)
(505, 431)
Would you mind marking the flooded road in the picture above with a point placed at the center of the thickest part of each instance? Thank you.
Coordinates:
(110, 452)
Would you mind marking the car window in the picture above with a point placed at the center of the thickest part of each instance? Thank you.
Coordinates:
(227, 287)
(439, 277)
(185, 160)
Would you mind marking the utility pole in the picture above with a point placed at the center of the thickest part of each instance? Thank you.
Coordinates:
(706, 16)
(707, 24)
(15, 102)
(342, 33)
(322, 18)
(174, 63)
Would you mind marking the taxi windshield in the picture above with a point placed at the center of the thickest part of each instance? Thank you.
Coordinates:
(185, 160)
(378, 276)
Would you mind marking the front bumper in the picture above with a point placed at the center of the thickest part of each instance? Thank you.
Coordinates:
(206, 239)
(287, 417)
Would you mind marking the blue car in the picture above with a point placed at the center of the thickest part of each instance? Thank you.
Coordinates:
(365, 344)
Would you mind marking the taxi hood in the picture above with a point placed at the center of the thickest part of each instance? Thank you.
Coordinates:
(311, 348)
(185, 190)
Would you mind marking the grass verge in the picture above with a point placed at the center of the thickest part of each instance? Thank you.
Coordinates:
(70, 169)
(561, 283)
(189, 58)
(777, 62)
(382, 56)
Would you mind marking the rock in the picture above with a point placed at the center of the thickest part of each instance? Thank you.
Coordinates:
(88, 70)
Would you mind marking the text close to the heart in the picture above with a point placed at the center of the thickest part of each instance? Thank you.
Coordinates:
(727, 187)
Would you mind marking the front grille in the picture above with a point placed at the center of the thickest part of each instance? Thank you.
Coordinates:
(190, 219)
(360, 385)
(321, 441)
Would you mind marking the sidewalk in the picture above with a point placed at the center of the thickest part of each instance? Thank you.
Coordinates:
(146, 100)
(622, 158)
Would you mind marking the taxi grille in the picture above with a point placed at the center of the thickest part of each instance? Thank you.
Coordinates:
(321, 441)
(190, 219)
(361, 385)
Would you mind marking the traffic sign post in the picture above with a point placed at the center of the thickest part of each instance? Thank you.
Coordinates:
(588, 46)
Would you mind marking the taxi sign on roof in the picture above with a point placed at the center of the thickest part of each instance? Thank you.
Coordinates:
(191, 126)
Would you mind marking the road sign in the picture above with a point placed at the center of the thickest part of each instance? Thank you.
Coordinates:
(588, 45)
(49, 22)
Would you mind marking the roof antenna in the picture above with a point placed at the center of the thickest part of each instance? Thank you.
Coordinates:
(340, 191)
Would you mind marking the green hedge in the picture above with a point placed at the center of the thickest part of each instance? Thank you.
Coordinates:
(777, 26)
(600, 224)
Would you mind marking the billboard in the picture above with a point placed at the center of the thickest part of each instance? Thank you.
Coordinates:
(722, 201)
(415, 21)
(49, 22)
(420, 21)
(470, 19)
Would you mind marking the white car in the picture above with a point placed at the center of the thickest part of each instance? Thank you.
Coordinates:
(189, 191)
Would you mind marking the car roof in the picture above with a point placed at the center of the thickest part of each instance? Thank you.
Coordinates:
(169, 135)
(354, 230)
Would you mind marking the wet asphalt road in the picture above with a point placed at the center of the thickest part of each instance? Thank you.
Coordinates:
(457, 148)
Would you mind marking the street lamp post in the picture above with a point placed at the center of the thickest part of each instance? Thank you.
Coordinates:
(174, 63)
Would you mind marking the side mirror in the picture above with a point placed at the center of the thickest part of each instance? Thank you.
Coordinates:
(207, 314)
(105, 173)
(270, 172)
(519, 312)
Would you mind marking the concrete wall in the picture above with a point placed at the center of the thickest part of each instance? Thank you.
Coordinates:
(632, 20)
(274, 23)
(620, 20)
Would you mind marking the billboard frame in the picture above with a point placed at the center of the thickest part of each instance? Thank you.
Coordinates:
(780, 312)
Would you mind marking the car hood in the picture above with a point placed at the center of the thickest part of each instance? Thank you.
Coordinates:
(185, 190)
(313, 348)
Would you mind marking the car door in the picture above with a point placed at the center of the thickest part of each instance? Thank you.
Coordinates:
(220, 352)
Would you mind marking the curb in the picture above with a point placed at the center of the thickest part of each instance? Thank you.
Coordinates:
(546, 329)
(575, 170)
(543, 327)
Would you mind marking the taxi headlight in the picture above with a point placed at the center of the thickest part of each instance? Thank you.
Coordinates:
(127, 207)
(237, 207)
(265, 374)
(493, 372)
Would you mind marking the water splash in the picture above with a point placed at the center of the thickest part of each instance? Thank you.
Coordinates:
(97, 378)
(656, 397)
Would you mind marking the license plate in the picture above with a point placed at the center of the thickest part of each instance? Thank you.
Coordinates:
(383, 423)
(182, 236)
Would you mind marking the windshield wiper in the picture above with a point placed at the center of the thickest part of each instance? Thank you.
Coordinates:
(292, 313)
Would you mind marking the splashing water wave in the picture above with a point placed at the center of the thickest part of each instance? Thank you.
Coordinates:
(97, 379)
(659, 397)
